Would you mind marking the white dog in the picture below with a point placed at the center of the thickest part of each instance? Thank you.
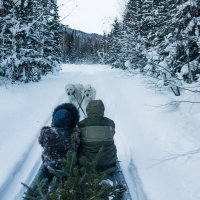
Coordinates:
(88, 94)
(74, 93)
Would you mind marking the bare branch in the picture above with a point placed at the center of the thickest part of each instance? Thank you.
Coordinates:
(172, 103)
(181, 155)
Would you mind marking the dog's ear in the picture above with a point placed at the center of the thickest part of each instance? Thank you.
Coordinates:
(81, 87)
(66, 87)
(72, 87)
(89, 87)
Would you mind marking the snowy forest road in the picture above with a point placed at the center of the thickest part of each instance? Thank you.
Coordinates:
(144, 134)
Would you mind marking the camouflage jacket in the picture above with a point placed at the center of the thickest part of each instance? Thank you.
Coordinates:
(57, 143)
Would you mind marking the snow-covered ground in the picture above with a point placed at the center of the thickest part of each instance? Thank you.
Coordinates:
(147, 134)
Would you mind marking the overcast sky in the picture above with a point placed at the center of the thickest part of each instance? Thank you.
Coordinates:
(91, 16)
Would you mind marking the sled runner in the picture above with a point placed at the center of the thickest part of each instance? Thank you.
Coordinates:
(118, 178)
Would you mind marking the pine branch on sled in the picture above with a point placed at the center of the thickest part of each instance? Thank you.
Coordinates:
(78, 183)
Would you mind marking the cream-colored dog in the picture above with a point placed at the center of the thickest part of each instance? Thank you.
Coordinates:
(88, 94)
(74, 93)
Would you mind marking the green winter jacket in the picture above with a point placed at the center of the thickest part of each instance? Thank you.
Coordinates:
(97, 133)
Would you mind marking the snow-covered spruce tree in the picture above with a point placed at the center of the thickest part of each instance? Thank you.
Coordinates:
(186, 45)
(47, 22)
(162, 38)
(175, 51)
(14, 35)
(129, 34)
(7, 42)
(149, 28)
(133, 48)
(51, 35)
(108, 47)
(28, 51)
(160, 20)
(158, 51)
(115, 46)
(142, 26)
(28, 43)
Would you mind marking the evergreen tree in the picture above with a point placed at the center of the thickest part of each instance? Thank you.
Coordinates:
(28, 43)
(161, 27)
(51, 35)
(7, 43)
(29, 40)
(160, 38)
(115, 46)
(72, 47)
(80, 47)
(76, 183)
(103, 49)
(134, 47)
(186, 37)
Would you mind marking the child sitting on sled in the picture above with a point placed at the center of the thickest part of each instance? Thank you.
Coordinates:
(59, 139)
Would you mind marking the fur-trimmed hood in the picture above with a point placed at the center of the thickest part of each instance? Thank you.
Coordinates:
(72, 110)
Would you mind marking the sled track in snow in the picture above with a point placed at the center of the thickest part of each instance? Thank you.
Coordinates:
(137, 190)
(9, 183)
(29, 178)
(5, 188)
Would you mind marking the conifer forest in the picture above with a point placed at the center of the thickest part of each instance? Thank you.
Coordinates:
(156, 38)
(33, 42)
(159, 39)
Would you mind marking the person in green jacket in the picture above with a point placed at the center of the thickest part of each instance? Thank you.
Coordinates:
(96, 134)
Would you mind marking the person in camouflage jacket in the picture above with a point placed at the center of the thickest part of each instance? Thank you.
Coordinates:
(97, 134)
(61, 138)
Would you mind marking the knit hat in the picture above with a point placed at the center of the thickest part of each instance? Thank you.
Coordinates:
(72, 110)
(61, 118)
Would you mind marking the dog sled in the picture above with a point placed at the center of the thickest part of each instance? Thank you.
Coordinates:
(43, 184)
